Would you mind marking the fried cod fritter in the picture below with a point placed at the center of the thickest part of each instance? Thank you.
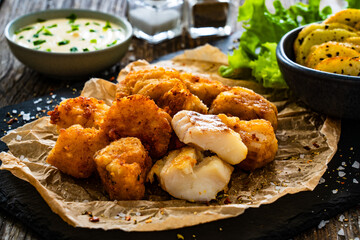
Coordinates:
(180, 98)
(157, 81)
(138, 116)
(74, 150)
(150, 82)
(244, 104)
(123, 166)
(258, 136)
(88, 112)
(205, 89)
(208, 132)
(185, 174)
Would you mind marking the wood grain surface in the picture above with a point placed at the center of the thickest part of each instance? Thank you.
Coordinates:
(19, 83)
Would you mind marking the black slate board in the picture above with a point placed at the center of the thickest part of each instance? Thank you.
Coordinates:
(288, 216)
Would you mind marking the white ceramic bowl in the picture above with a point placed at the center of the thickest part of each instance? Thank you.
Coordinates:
(70, 65)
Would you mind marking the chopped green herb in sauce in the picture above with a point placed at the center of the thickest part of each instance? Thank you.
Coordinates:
(64, 42)
(73, 28)
(47, 32)
(38, 42)
(23, 29)
(63, 34)
(52, 26)
(72, 18)
(36, 35)
(112, 44)
(107, 26)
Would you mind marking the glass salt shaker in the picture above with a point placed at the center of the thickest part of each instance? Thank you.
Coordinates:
(156, 20)
(210, 17)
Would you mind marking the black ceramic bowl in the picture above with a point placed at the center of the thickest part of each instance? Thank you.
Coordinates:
(333, 94)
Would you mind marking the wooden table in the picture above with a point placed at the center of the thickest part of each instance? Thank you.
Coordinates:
(19, 83)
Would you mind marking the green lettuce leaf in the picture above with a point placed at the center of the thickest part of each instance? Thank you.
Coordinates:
(265, 68)
(353, 4)
(263, 30)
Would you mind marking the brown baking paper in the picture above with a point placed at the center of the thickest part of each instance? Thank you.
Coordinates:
(307, 142)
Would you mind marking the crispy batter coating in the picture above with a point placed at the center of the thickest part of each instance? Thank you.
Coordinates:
(244, 104)
(258, 136)
(180, 98)
(88, 112)
(74, 150)
(205, 89)
(136, 80)
(155, 88)
(123, 166)
(138, 116)
(157, 81)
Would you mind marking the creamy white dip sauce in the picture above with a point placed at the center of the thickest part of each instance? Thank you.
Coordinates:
(69, 34)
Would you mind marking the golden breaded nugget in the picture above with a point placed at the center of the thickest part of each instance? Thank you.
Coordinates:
(156, 81)
(88, 112)
(138, 116)
(137, 80)
(245, 104)
(180, 98)
(123, 166)
(258, 136)
(203, 88)
(74, 150)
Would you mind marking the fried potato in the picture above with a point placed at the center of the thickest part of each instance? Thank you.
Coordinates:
(88, 112)
(320, 36)
(258, 136)
(340, 65)
(180, 98)
(353, 40)
(138, 116)
(74, 150)
(350, 17)
(357, 26)
(308, 29)
(244, 104)
(123, 166)
(331, 49)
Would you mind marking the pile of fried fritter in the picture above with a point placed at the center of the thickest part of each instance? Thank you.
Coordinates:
(185, 129)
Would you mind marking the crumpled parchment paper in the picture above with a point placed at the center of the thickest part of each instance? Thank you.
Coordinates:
(307, 142)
